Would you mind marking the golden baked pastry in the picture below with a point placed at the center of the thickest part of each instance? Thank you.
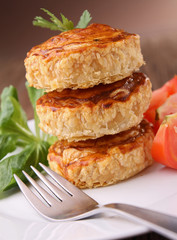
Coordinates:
(80, 114)
(83, 58)
(103, 161)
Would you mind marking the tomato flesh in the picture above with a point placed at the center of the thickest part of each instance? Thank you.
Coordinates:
(159, 96)
(164, 147)
(169, 107)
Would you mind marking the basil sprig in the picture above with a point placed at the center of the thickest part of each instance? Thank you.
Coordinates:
(16, 135)
(62, 25)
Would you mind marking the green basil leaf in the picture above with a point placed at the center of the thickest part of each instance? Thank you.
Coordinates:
(11, 109)
(9, 91)
(34, 94)
(84, 19)
(67, 24)
(7, 108)
(41, 22)
(63, 25)
(13, 164)
(53, 18)
(55, 23)
(7, 144)
(19, 116)
(13, 119)
(31, 155)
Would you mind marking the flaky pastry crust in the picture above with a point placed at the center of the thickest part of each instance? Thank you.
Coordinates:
(83, 58)
(81, 114)
(103, 161)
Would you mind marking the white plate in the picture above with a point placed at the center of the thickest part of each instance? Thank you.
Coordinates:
(154, 188)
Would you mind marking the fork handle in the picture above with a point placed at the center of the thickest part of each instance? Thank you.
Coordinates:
(158, 222)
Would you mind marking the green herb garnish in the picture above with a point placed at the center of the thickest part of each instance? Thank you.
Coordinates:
(15, 133)
(64, 24)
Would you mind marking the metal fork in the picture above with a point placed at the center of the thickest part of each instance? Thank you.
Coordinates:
(70, 203)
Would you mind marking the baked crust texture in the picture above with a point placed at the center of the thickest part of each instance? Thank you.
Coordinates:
(83, 58)
(81, 114)
(103, 161)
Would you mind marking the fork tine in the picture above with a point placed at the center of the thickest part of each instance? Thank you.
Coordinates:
(58, 193)
(67, 186)
(30, 196)
(44, 194)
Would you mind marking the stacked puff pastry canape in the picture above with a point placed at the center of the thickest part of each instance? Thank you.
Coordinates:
(95, 104)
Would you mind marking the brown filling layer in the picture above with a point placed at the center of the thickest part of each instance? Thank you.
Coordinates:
(106, 95)
(126, 141)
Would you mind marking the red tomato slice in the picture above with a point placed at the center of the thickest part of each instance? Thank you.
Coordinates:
(169, 107)
(164, 147)
(159, 96)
